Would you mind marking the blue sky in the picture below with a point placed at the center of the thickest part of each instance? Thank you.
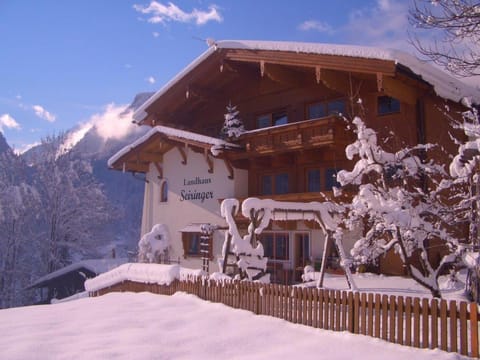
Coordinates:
(65, 62)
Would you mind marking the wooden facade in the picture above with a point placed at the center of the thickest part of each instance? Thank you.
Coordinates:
(296, 108)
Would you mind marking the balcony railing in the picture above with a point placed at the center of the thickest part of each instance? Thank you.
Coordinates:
(301, 135)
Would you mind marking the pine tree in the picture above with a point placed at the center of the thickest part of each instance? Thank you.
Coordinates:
(232, 126)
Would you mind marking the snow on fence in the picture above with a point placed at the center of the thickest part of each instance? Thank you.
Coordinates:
(421, 323)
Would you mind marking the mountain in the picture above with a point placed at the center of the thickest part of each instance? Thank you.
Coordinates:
(4, 147)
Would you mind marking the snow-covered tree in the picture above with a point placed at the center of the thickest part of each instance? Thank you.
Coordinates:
(454, 26)
(465, 169)
(18, 257)
(232, 126)
(401, 199)
(73, 204)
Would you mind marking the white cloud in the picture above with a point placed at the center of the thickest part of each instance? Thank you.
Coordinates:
(382, 25)
(316, 26)
(156, 34)
(7, 121)
(43, 114)
(151, 80)
(160, 13)
(114, 122)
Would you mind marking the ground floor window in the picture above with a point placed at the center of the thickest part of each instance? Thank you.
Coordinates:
(276, 245)
(192, 244)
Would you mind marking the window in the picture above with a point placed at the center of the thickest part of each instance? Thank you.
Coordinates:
(164, 191)
(387, 105)
(325, 108)
(279, 119)
(331, 179)
(281, 184)
(317, 110)
(313, 180)
(263, 121)
(274, 184)
(272, 119)
(192, 244)
(336, 107)
(275, 245)
(266, 185)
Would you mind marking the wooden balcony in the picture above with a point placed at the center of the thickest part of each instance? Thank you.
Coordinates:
(301, 135)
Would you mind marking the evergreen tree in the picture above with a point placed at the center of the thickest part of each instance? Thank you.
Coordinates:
(232, 126)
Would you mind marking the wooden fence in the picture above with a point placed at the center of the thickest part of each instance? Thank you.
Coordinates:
(423, 323)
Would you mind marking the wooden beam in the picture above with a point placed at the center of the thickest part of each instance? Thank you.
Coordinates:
(342, 63)
(159, 169)
(183, 154)
(379, 82)
(229, 167)
(209, 160)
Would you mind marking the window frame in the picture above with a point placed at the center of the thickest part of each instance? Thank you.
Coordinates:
(390, 110)
(271, 116)
(276, 237)
(307, 179)
(326, 104)
(273, 178)
(187, 238)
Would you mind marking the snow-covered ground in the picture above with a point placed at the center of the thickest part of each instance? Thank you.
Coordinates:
(148, 326)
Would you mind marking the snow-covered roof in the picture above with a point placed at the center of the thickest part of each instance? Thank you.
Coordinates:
(144, 273)
(97, 266)
(445, 85)
(171, 133)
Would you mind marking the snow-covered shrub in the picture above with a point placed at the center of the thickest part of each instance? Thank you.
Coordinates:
(154, 244)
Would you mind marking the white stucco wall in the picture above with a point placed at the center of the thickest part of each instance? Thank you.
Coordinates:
(184, 183)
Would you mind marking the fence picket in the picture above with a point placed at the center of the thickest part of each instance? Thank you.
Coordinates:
(377, 315)
(338, 310)
(384, 316)
(356, 310)
(453, 326)
(392, 318)
(425, 324)
(434, 323)
(416, 322)
(363, 313)
(463, 329)
(370, 314)
(474, 330)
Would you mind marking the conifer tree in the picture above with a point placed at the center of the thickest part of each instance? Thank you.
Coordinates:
(232, 126)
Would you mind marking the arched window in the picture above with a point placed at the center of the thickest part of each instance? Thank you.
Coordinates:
(164, 191)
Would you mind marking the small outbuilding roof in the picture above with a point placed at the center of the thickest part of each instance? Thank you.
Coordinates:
(97, 266)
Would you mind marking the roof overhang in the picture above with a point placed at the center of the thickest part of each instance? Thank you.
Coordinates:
(312, 56)
(151, 147)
